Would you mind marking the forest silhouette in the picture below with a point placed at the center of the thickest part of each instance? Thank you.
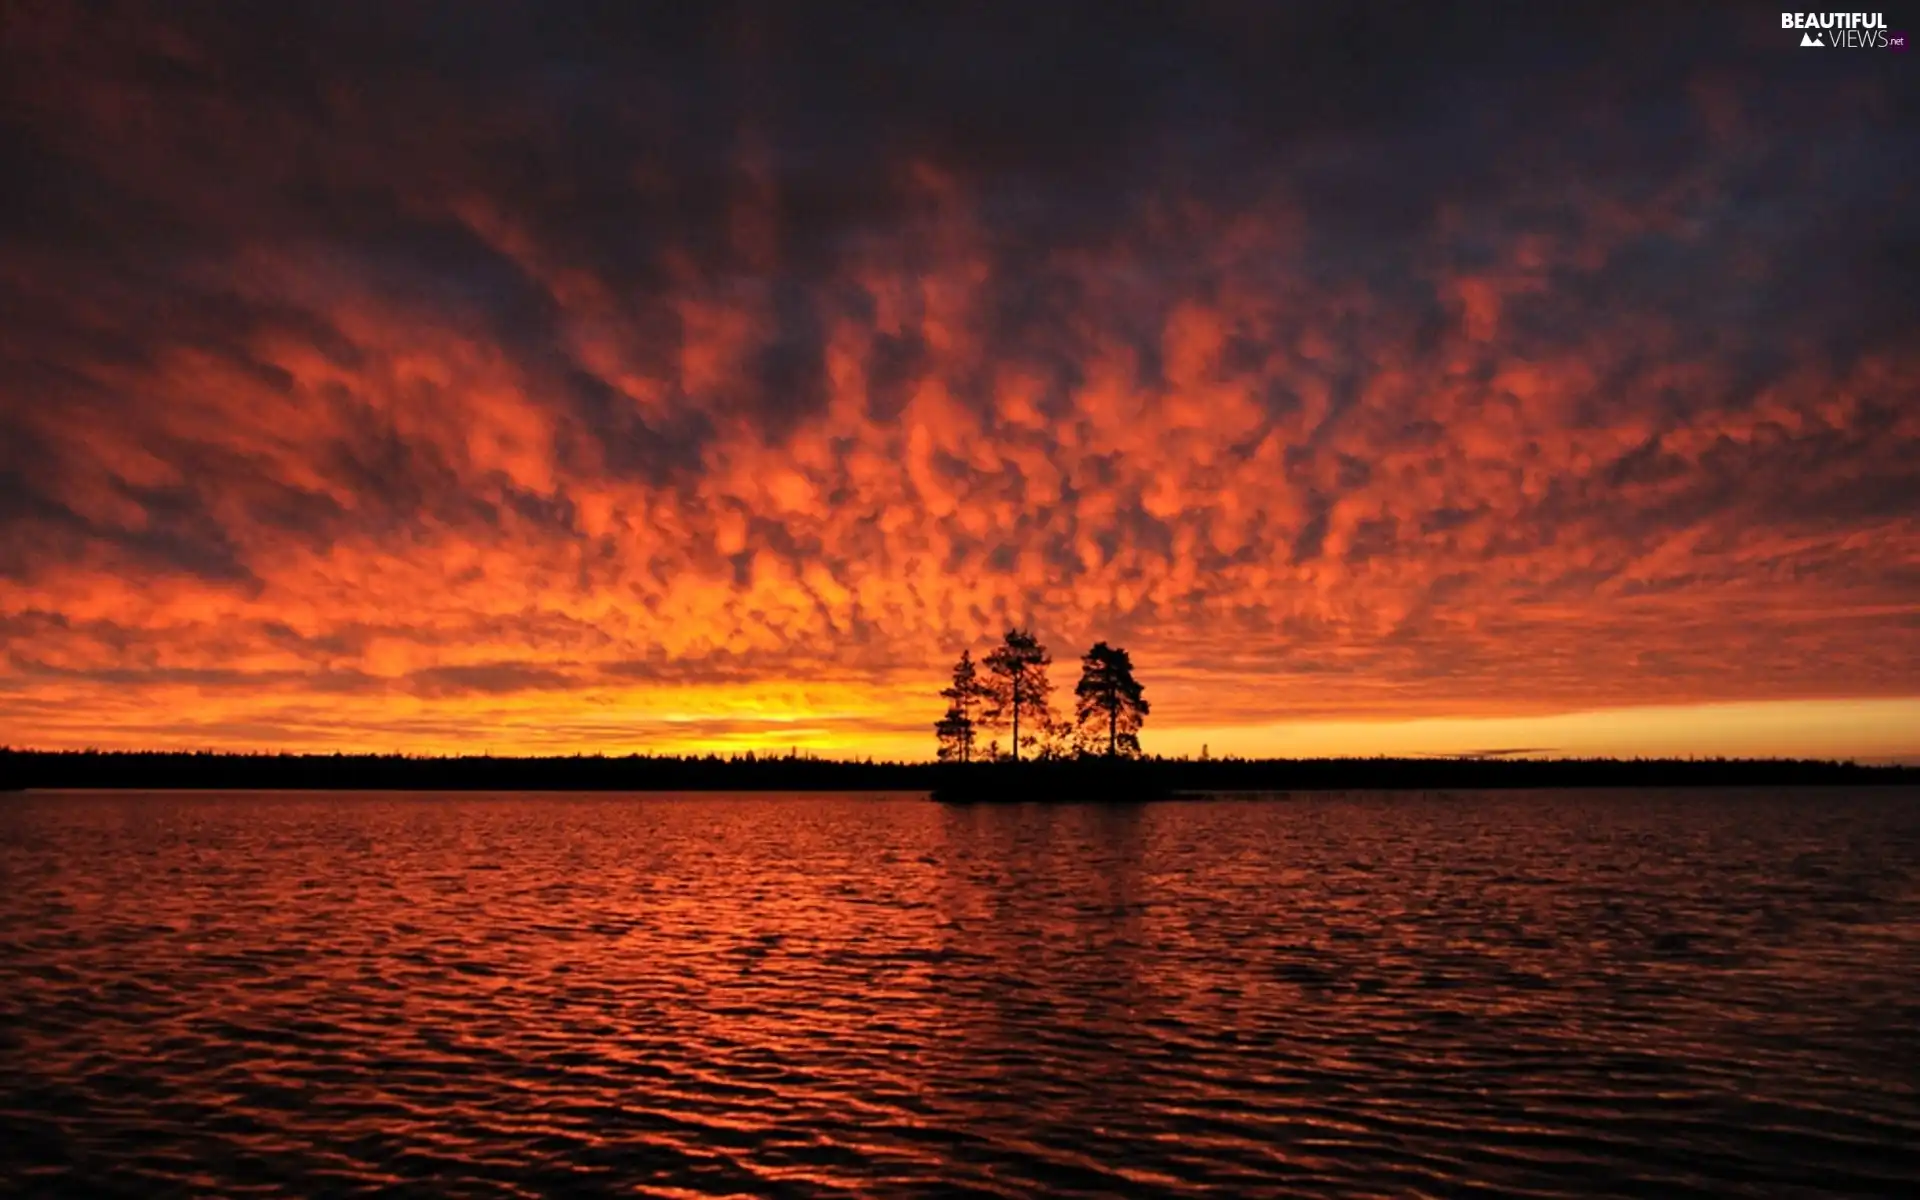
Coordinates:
(1058, 779)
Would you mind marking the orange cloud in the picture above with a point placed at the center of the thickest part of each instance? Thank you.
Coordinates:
(391, 447)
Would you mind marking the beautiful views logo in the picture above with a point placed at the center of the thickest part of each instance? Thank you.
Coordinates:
(1862, 30)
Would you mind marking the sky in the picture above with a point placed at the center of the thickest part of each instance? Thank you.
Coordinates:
(563, 377)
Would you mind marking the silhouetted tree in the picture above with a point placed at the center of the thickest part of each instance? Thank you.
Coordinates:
(964, 697)
(1109, 704)
(955, 731)
(1018, 690)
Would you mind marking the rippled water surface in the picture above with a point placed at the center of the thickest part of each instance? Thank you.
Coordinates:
(1514, 994)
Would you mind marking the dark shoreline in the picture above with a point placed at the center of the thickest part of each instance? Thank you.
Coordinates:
(1077, 779)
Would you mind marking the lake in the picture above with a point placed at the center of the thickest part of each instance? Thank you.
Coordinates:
(1518, 994)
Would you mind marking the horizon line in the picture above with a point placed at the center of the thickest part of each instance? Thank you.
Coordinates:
(1487, 757)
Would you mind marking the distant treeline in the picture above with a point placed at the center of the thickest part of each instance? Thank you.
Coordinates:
(1067, 778)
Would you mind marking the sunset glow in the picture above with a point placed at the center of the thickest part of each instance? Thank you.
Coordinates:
(573, 412)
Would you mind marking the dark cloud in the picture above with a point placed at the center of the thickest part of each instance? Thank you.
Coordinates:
(488, 678)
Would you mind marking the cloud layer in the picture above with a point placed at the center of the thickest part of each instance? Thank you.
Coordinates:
(587, 377)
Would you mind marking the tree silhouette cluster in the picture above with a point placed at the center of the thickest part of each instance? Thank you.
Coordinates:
(1014, 694)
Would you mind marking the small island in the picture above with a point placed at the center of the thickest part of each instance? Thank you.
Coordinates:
(1089, 757)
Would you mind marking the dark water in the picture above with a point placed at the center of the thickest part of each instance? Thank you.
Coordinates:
(1542, 995)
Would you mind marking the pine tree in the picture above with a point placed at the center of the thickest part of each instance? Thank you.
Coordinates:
(1018, 691)
(1109, 703)
(964, 696)
(955, 731)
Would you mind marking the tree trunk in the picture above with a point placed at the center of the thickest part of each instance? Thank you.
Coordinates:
(1113, 729)
(1016, 716)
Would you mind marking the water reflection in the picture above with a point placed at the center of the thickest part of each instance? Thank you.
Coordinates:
(1546, 994)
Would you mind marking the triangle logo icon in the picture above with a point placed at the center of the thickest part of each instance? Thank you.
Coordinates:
(1808, 39)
